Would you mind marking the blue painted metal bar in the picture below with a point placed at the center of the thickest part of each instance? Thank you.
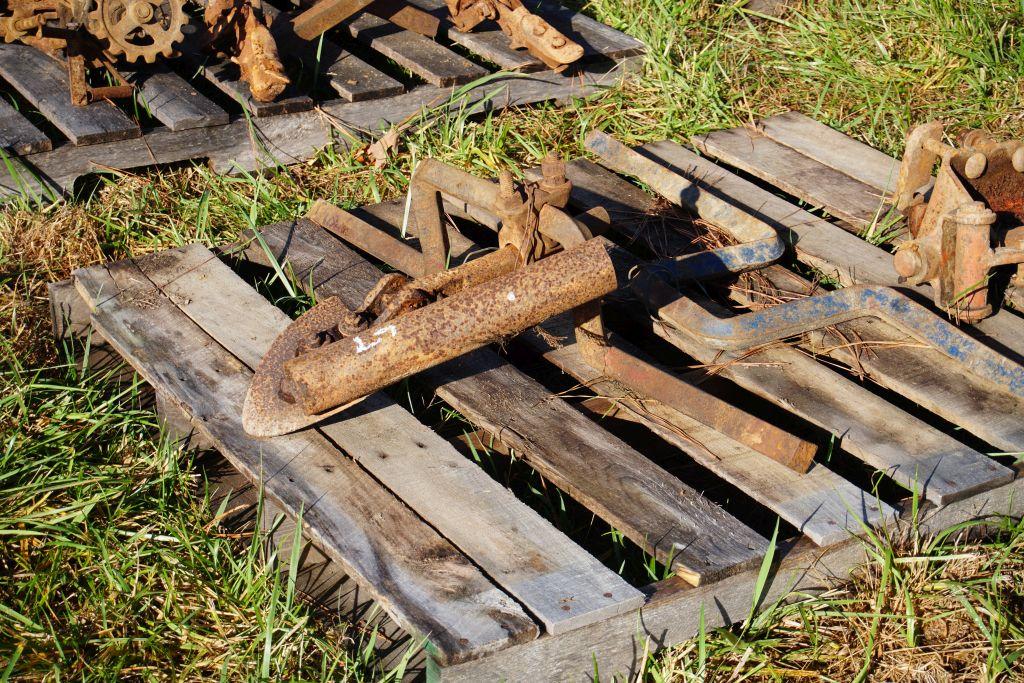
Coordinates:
(803, 315)
(759, 246)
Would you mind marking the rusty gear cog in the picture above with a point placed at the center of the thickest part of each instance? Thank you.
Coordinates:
(139, 29)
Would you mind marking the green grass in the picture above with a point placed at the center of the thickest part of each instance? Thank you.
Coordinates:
(112, 562)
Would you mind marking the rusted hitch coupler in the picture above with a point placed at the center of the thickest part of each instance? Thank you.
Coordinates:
(965, 222)
(547, 262)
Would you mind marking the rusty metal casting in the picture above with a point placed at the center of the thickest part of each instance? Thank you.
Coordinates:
(965, 224)
(524, 29)
(238, 30)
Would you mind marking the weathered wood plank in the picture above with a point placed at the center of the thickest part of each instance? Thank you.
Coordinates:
(535, 562)
(618, 648)
(859, 204)
(650, 507)
(175, 102)
(833, 149)
(44, 82)
(349, 76)
(430, 61)
(851, 260)
(422, 580)
(17, 135)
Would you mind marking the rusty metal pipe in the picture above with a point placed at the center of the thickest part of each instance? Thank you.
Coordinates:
(760, 245)
(343, 371)
(364, 236)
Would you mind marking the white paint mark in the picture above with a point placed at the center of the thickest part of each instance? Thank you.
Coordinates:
(362, 346)
(511, 296)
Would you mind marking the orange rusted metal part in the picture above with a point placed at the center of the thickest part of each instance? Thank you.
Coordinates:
(450, 327)
(966, 223)
(237, 29)
(524, 29)
(93, 34)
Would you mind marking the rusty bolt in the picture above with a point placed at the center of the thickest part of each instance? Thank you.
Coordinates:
(552, 168)
(540, 28)
(558, 41)
(975, 165)
(908, 262)
(1018, 159)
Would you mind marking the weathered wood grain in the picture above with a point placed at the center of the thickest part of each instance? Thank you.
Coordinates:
(649, 506)
(820, 503)
(44, 82)
(833, 149)
(422, 580)
(430, 61)
(175, 102)
(618, 647)
(859, 204)
(228, 79)
(535, 562)
(349, 76)
(17, 135)
(910, 451)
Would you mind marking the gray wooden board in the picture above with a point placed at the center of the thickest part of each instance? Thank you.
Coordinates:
(833, 149)
(618, 648)
(43, 81)
(910, 451)
(351, 77)
(17, 135)
(430, 61)
(422, 580)
(226, 76)
(652, 508)
(290, 138)
(175, 102)
(825, 246)
(822, 186)
(525, 554)
(819, 502)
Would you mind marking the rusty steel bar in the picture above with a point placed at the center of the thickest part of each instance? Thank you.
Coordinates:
(430, 179)
(343, 371)
(325, 15)
(652, 382)
(759, 245)
(364, 236)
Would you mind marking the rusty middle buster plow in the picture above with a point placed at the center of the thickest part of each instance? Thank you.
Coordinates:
(547, 263)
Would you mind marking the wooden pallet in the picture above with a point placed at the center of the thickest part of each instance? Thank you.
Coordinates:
(199, 110)
(454, 557)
